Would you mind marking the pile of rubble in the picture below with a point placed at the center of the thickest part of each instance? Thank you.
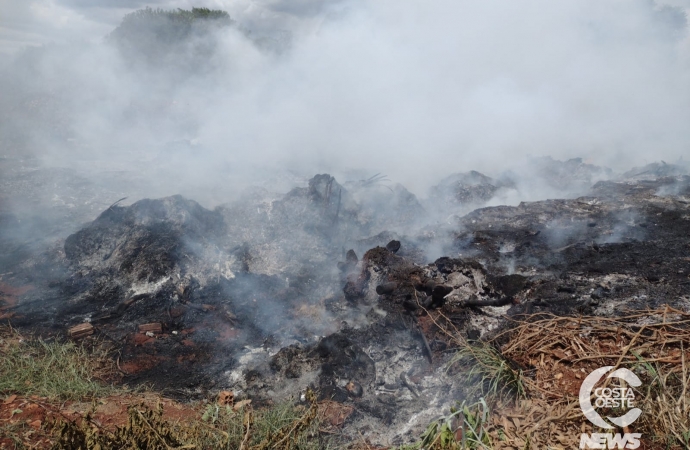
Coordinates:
(320, 288)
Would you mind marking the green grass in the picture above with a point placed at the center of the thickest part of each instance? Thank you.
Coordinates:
(65, 370)
(493, 374)
(53, 369)
(265, 426)
(465, 428)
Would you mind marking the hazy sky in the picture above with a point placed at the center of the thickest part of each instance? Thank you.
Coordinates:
(414, 89)
(32, 22)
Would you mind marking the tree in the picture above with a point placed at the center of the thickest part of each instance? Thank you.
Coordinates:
(157, 36)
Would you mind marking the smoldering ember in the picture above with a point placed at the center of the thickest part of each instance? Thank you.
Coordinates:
(202, 246)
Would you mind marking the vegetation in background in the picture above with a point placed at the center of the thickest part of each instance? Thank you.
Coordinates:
(179, 38)
(167, 26)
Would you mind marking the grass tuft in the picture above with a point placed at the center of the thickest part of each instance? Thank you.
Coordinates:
(52, 369)
(465, 428)
(495, 375)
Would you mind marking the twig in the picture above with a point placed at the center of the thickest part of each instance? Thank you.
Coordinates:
(248, 418)
(123, 198)
(685, 378)
(443, 330)
(141, 416)
(407, 384)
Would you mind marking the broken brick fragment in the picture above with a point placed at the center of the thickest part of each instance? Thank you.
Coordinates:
(80, 331)
(155, 328)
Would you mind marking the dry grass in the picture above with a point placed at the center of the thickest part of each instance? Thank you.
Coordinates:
(283, 427)
(544, 361)
(562, 351)
(530, 374)
(56, 371)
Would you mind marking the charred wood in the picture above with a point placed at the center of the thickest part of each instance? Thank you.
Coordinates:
(393, 246)
(386, 288)
(474, 301)
(405, 382)
(426, 348)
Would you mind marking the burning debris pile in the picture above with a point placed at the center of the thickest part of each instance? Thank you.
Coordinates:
(470, 189)
(319, 288)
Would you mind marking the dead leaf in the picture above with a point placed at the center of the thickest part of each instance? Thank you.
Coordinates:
(10, 399)
(560, 354)
(516, 421)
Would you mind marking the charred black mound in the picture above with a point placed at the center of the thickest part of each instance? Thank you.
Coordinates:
(268, 296)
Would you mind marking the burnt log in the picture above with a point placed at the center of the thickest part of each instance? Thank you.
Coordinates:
(426, 286)
(393, 246)
(440, 291)
(427, 347)
(386, 288)
(474, 301)
(438, 295)
(509, 285)
(405, 382)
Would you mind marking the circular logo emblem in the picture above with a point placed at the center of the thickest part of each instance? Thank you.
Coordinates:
(619, 397)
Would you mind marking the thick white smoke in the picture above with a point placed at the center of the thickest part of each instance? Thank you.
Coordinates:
(413, 90)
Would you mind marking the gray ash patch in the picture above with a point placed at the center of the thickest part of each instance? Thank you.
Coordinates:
(273, 294)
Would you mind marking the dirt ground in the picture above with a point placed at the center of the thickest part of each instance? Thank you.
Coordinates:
(32, 418)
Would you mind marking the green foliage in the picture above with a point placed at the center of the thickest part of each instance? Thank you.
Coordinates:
(495, 375)
(474, 430)
(464, 428)
(59, 370)
(160, 20)
(156, 36)
(212, 412)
